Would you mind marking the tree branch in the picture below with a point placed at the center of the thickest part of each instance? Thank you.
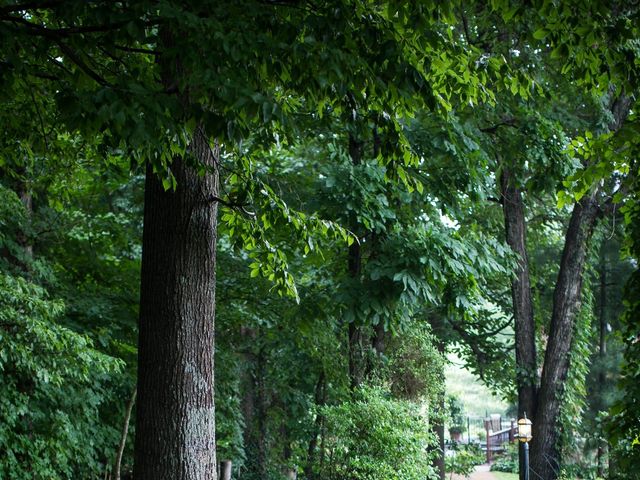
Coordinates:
(507, 122)
(30, 6)
(75, 58)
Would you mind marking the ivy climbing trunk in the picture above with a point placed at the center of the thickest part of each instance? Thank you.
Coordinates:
(566, 305)
(525, 334)
(175, 423)
(354, 267)
(545, 455)
(602, 353)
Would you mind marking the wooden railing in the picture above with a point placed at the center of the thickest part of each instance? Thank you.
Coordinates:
(496, 440)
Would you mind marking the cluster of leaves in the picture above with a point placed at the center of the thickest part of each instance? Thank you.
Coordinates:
(463, 459)
(140, 77)
(455, 409)
(53, 385)
(508, 461)
(624, 428)
(377, 436)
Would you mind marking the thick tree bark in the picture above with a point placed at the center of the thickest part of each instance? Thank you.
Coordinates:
(566, 305)
(175, 424)
(525, 334)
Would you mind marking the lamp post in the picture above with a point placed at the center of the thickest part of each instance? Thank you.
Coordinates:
(524, 435)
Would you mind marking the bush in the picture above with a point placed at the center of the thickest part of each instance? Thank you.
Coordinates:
(463, 460)
(508, 461)
(377, 437)
(53, 384)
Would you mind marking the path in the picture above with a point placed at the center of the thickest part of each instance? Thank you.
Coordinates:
(481, 472)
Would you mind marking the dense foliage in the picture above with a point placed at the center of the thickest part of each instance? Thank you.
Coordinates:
(363, 158)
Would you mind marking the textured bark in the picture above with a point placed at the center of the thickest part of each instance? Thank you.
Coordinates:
(225, 470)
(525, 335)
(566, 305)
(123, 436)
(175, 425)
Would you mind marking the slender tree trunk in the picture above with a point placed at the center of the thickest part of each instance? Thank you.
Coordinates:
(225, 470)
(566, 305)
(123, 437)
(254, 406)
(262, 405)
(437, 326)
(175, 424)
(602, 309)
(355, 356)
(602, 353)
(378, 340)
(525, 334)
(320, 400)
(354, 266)
(24, 193)
(248, 402)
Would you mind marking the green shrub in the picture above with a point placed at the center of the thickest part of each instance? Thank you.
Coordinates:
(464, 458)
(377, 437)
(508, 461)
(53, 383)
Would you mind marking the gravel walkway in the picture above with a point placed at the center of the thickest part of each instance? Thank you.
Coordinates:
(481, 473)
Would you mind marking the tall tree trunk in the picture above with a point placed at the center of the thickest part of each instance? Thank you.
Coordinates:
(175, 424)
(525, 334)
(437, 326)
(354, 266)
(248, 402)
(262, 404)
(355, 356)
(24, 193)
(320, 400)
(602, 353)
(566, 305)
(254, 405)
